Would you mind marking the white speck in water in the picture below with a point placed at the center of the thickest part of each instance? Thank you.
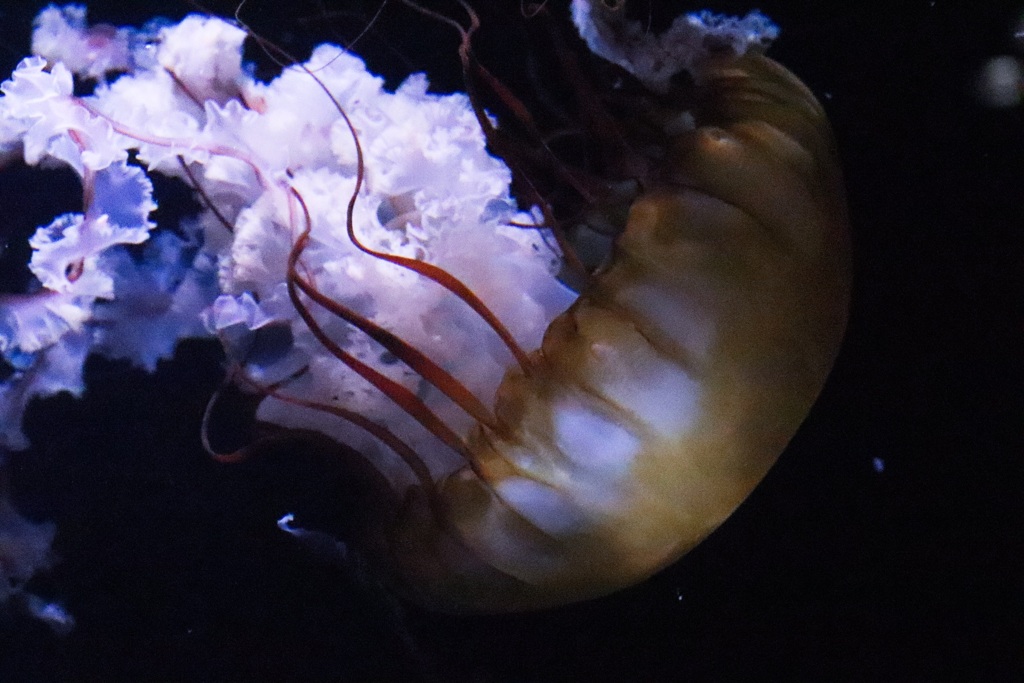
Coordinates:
(51, 613)
(878, 464)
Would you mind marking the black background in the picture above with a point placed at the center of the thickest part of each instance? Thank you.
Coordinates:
(174, 569)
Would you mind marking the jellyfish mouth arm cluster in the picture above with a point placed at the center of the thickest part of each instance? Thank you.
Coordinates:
(274, 166)
(363, 262)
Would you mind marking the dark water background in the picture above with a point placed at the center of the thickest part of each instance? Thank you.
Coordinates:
(832, 570)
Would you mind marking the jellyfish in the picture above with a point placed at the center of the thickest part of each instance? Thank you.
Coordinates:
(537, 427)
